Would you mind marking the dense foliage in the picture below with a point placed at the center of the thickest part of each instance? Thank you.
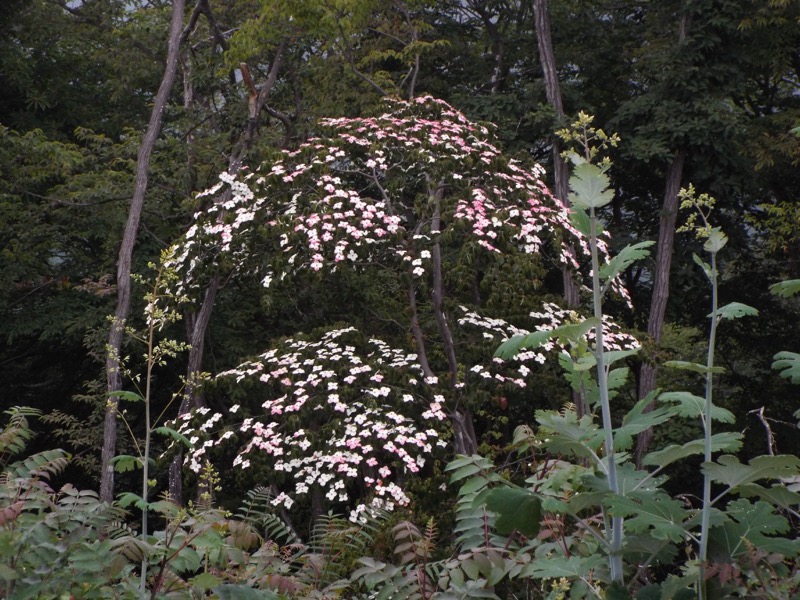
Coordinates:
(343, 220)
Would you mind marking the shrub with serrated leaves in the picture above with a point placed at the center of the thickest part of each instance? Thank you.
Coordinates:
(609, 528)
(55, 543)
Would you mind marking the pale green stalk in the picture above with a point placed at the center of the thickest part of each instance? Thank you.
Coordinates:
(705, 518)
(615, 552)
(151, 359)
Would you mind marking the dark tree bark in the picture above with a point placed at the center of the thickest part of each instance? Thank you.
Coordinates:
(658, 301)
(553, 90)
(547, 59)
(663, 263)
(115, 337)
(197, 324)
(465, 440)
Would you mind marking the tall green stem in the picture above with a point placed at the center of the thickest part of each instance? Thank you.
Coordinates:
(615, 554)
(706, 511)
(146, 453)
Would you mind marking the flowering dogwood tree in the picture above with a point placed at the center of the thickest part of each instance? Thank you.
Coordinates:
(338, 409)
(396, 191)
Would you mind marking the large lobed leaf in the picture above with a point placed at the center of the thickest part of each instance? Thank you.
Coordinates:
(751, 526)
(589, 187)
(730, 472)
(517, 509)
(566, 434)
(658, 515)
(729, 441)
(692, 406)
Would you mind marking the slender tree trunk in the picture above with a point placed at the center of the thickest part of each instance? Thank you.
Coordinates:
(658, 301)
(666, 242)
(561, 176)
(465, 440)
(196, 332)
(113, 374)
(547, 59)
(199, 323)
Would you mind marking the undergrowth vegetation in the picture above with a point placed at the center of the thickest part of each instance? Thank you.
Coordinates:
(565, 511)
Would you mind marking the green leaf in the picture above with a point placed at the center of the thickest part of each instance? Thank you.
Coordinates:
(517, 509)
(589, 187)
(166, 508)
(556, 567)
(612, 356)
(126, 462)
(617, 378)
(575, 332)
(566, 434)
(658, 515)
(789, 365)
(735, 310)
(512, 346)
(678, 588)
(637, 420)
(204, 581)
(786, 289)
(231, 591)
(703, 265)
(755, 523)
(627, 256)
(649, 592)
(187, 560)
(472, 485)
(127, 396)
(716, 241)
(571, 332)
(693, 366)
(692, 406)
(178, 437)
(729, 471)
(778, 494)
(8, 573)
(127, 498)
(580, 221)
(584, 363)
(728, 441)
(617, 591)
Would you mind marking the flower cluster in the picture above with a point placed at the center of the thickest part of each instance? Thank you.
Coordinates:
(359, 401)
(517, 370)
(364, 193)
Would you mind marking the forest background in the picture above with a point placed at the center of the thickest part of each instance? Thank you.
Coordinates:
(703, 92)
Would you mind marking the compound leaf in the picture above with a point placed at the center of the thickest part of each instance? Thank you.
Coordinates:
(788, 363)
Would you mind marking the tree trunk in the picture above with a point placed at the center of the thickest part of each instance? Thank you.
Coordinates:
(196, 332)
(113, 374)
(192, 398)
(547, 59)
(465, 439)
(658, 301)
(560, 174)
(666, 242)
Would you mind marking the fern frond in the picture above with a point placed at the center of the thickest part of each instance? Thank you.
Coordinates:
(407, 538)
(41, 465)
(258, 512)
(474, 523)
(17, 433)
